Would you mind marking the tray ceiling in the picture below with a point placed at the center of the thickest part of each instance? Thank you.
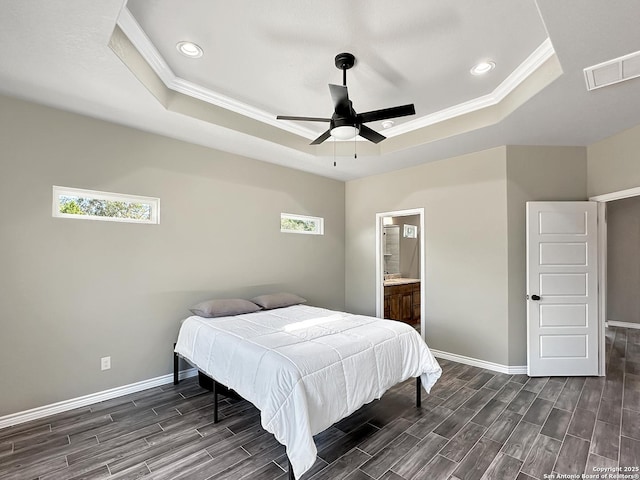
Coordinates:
(118, 61)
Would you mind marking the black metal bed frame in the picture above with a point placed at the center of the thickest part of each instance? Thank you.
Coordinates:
(215, 387)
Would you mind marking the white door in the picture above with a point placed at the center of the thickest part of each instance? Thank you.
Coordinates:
(562, 283)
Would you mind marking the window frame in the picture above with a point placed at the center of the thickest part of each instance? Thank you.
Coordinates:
(318, 221)
(153, 202)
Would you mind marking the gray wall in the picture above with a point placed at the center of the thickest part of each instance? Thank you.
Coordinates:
(534, 174)
(475, 241)
(73, 291)
(623, 260)
(466, 248)
(614, 163)
(410, 248)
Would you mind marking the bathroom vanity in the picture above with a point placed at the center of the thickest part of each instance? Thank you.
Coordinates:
(402, 300)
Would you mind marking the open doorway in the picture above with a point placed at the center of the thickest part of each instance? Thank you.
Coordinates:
(603, 257)
(400, 267)
(623, 262)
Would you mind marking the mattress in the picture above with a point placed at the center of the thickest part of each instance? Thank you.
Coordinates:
(305, 367)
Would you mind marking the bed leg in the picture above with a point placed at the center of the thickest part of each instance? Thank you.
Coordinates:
(418, 392)
(215, 402)
(176, 377)
(291, 476)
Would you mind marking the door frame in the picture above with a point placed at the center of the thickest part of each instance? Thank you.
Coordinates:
(380, 260)
(602, 260)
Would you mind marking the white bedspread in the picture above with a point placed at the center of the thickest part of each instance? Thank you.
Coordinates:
(304, 367)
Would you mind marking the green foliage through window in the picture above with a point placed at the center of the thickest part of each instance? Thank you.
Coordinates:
(104, 208)
(295, 224)
(81, 204)
(301, 224)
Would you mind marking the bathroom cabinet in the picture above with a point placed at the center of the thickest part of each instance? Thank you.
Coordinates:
(402, 302)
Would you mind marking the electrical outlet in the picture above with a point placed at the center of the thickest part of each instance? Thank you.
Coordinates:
(105, 363)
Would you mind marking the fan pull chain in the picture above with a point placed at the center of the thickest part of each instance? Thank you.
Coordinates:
(355, 151)
(334, 152)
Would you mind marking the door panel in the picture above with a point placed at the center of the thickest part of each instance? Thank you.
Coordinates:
(563, 315)
(564, 284)
(557, 346)
(562, 275)
(563, 254)
(552, 223)
(407, 307)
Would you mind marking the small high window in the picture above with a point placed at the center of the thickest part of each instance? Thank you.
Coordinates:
(112, 207)
(290, 223)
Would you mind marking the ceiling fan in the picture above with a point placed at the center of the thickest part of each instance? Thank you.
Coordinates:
(345, 123)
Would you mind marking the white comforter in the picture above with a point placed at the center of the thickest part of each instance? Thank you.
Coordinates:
(304, 367)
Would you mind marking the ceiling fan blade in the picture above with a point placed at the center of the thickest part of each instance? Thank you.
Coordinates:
(321, 138)
(304, 119)
(385, 113)
(340, 97)
(371, 135)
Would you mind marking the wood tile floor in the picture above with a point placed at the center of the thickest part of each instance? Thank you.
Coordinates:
(476, 424)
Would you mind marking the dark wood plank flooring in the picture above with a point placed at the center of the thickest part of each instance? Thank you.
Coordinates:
(476, 424)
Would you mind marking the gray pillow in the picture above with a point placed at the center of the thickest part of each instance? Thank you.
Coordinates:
(278, 300)
(224, 307)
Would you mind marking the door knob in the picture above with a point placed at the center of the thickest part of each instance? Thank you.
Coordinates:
(535, 297)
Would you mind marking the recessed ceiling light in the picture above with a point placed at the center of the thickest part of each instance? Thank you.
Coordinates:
(387, 124)
(483, 67)
(189, 49)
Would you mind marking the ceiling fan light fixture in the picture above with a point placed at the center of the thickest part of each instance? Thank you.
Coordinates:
(387, 124)
(344, 132)
(345, 123)
(483, 67)
(190, 49)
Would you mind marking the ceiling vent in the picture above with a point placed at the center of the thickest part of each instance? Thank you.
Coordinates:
(613, 71)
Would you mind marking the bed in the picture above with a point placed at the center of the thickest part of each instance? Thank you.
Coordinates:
(305, 367)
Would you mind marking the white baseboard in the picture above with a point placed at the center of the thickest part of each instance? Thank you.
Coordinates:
(66, 405)
(613, 323)
(496, 367)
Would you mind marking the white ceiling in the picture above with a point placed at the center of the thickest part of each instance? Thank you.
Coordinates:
(277, 57)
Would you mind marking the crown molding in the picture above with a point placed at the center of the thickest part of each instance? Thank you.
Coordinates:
(132, 29)
(139, 39)
(534, 61)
